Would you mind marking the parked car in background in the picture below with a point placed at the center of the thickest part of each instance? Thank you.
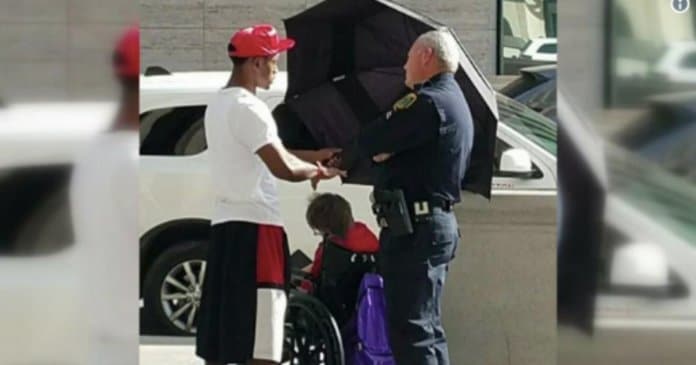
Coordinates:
(630, 227)
(39, 277)
(678, 63)
(541, 49)
(512, 44)
(665, 134)
(38, 142)
(647, 275)
(175, 199)
(535, 88)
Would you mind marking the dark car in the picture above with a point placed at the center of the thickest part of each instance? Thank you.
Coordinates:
(535, 88)
(665, 133)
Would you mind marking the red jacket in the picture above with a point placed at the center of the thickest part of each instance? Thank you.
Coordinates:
(359, 238)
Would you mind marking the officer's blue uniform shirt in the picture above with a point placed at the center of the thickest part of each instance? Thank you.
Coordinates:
(430, 134)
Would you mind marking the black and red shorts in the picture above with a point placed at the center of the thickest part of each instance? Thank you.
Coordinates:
(244, 294)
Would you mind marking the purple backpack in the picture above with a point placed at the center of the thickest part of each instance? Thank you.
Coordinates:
(365, 335)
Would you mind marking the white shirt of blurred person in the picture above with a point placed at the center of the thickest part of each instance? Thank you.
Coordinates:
(103, 195)
(241, 316)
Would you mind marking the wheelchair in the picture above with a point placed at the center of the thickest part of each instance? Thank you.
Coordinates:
(313, 322)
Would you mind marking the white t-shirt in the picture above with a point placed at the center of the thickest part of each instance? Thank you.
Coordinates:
(104, 206)
(237, 125)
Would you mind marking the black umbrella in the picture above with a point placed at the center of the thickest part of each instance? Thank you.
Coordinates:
(347, 68)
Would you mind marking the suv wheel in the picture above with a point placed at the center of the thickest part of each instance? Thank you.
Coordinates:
(173, 286)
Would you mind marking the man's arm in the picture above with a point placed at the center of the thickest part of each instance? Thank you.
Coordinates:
(284, 165)
(396, 132)
(402, 130)
(312, 156)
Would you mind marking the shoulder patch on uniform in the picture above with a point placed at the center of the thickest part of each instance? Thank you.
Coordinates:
(405, 102)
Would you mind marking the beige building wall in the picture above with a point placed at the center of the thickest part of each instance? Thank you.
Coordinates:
(59, 49)
(192, 34)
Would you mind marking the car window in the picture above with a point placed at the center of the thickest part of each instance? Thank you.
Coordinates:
(665, 198)
(534, 126)
(507, 29)
(544, 98)
(529, 46)
(689, 61)
(548, 48)
(176, 131)
(522, 84)
(35, 219)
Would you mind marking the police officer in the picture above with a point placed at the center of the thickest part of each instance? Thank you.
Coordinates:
(422, 148)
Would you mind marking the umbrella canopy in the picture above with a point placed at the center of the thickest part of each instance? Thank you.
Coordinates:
(347, 69)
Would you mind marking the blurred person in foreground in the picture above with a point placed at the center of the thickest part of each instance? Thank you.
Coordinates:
(243, 302)
(104, 207)
(422, 148)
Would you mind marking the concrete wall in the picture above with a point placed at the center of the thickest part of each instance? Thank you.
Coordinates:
(59, 49)
(193, 34)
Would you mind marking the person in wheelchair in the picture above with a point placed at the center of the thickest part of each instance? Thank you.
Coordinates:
(346, 253)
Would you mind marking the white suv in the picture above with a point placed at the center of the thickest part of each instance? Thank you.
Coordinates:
(175, 197)
(542, 49)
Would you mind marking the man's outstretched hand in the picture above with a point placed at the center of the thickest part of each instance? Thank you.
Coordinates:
(325, 155)
(334, 161)
(325, 173)
(381, 157)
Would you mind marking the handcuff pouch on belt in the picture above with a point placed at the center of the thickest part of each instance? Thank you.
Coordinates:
(391, 210)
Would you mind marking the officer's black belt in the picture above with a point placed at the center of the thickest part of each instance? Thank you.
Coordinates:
(426, 206)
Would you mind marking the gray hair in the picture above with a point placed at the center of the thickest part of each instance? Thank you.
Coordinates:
(444, 46)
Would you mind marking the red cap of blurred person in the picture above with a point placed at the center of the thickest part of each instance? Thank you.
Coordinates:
(127, 53)
(258, 41)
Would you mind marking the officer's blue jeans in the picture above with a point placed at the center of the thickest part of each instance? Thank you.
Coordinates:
(414, 268)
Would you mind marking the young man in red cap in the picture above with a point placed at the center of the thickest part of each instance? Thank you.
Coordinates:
(103, 197)
(241, 315)
(127, 68)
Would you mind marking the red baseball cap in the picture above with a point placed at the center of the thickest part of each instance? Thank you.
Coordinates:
(258, 41)
(127, 53)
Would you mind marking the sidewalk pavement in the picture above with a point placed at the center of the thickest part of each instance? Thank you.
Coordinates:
(157, 350)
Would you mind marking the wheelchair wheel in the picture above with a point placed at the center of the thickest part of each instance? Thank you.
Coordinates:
(312, 336)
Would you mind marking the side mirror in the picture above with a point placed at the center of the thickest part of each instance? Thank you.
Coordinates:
(639, 268)
(515, 162)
